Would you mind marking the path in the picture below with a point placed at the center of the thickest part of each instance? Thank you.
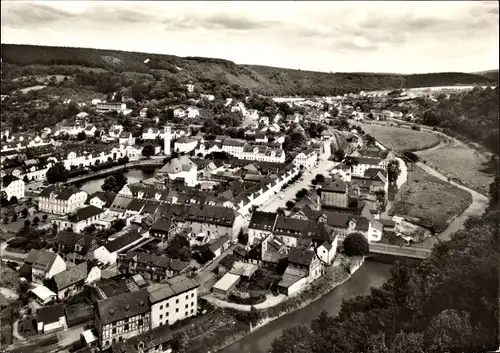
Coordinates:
(270, 301)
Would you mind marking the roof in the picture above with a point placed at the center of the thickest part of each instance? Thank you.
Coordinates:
(162, 225)
(177, 165)
(59, 192)
(123, 306)
(70, 239)
(263, 220)
(226, 282)
(71, 276)
(300, 256)
(387, 222)
(174, 286)
(334, 185)
(243, 269)
(43, 292)
(151, 206)
(8, 179)
(50, 314)
(120, 204)
(339, 220)
(218, 243)
(377, 225)
(85, 213)
(366, 160)
(41, 259)
(123, 241)
(107, 197)
(136, 205)
(291, 276)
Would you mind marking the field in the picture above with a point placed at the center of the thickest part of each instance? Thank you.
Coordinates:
(433, 201)
(399, 139)
(464, 163)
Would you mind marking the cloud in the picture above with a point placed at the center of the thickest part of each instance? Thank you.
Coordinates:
(31, 14)
(228, 21)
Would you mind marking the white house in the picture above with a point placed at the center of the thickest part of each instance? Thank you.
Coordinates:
(185, 144)
(104, 107)
(175, 300)
(90, 130)
(179, 168)
(126, 139)
(50, 319)
(193, 112)
(179, 113)
(80, 219)
(261, 226)
(375, 231)
(143, 113)
(42, 264)
(150, 133)
(61, 200)
(13, 186)
(326, 251)
(362, 164)
(307, 159)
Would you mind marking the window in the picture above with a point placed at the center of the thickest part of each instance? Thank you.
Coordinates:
(177, 310)
(186, 306)
(107, 343)
(166, 314)
(187, 297)
(176, 301)
(161, 317)
(161, 323)
(192, 304)
(113, 331)
(140, 322)
(126, 327)
(161, 307)
(192, 311)
(120, 339)
(192, 295)
(167, 305)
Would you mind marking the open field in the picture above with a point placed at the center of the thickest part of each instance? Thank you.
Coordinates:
(459, 161)
(398, 139)
(430, 200)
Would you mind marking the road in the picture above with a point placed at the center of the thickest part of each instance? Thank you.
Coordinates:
(275, 202)
(411, 252)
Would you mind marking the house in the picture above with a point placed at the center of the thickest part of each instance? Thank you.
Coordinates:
(143, 113)
(41, 264)
(115, 131)
(361, 164)
(261, 138)
(50, 319)
(152, 267)
(43, 295)
(226, 284)
(185, 144)
(162, 228)
(375, 231)
(179, 168)
(213, 221)
(306, 159)
(74, 248)
(104, 107)
(243, 269)
(218, 246)
(102, 200)
(108, 253)
(326, 252)
(71, 281)
(126, 139)
(261, 226)
(13, 186)
(122, 317)
(175, 300)
(305, 259)
(150, 133)
(333, 193)
(79, 219)
(61, 200)
(158, 339)
(90, 130)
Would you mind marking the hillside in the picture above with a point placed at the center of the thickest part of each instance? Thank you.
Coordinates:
(259, 79)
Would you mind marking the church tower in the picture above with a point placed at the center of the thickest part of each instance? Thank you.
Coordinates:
(168, 136)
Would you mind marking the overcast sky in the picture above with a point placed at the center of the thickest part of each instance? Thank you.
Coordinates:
(404, 37)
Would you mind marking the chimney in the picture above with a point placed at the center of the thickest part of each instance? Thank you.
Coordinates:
(318, 203)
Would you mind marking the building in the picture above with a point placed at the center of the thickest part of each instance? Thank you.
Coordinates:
(126, 139)
(226, 284)
(306, 159)
(150, 133)
(61, 200)
(167, 136)
(152, 267)
(74, 248)
(175, 300)
(102, 200)
(43, 295)
(50, 319)
(213, 221)
(13, 186)
(261, 226)
(104, 107)
(334, 193)
(185, 144)
(71, 281)
(121, 317)
(326, 252)
(361, 164)
(108, 253)
(157, 340)
(179, 168)
(42, 264)
(80, 219)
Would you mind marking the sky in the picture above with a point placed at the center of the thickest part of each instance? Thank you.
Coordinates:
(335, 36)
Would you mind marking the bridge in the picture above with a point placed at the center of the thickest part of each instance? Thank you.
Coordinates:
(134, 164)
(403, 251)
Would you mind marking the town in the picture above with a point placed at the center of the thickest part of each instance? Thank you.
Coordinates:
(226, 221)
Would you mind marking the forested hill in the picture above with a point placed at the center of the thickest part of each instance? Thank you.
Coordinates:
(259, 79)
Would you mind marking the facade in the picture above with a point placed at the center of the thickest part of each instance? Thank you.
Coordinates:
(326, 252)
(104, 107)
(175, 300)
(155, 268)
(185, 145)
(13, 186)
(61, 200)
(80, 219)
(179, 168)
(71, 281)
(261, 226)
(306, 159)
(74, 248)
(121, 317)
(42, 264)
(50, 319)
(334, 193)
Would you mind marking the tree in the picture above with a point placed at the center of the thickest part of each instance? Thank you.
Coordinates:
(338, 155)
(27, 223)
(370, 140)
(25, 179)
(356, 244)
(320, 178)
(5, 220)
(290, 204)
(298, 337)
(148, 150)
(57, 174)
(118, 225)
(301, 193)
(449, 331)
(44, 217)
(4, 201)
(24, 213)
(13, 200)
(73, 109)
(36, 220)
(81, 136)
(114, 183)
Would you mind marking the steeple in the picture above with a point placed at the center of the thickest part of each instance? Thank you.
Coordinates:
(167, 134)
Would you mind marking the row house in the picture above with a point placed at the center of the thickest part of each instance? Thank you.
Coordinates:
(306, 159)
(213, 221)
(361, 164)
(152, 267)
(61, 200)
(35, 170)
(71, 130)
(104, 107)
(262, 154)
(12, 186)
(80, 219)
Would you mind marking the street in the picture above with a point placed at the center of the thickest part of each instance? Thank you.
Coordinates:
(275, 202)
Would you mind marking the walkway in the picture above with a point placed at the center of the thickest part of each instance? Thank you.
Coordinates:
(270, 301)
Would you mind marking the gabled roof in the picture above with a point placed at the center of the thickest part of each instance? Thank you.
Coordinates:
(263, 220)
(218, 243)
(136, 205)
(300, 256)
(173, 287)
(177, 165)
(120, 204)
(123, 241)
(71, 276)
(41, 259)
(123, 306)
(70, 239)
(85, 213)
(107, 197)
(334, 185)
(7, 180)
(50, 314)
(161, 225)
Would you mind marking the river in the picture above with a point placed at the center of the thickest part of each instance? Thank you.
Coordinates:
(133, 176)
(370, 274)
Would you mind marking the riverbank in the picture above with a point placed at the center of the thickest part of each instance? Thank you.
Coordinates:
(255, 319)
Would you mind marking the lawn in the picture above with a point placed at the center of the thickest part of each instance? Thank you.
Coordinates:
(464, 163)
(429, 200)
(398, 138)
(9, 278)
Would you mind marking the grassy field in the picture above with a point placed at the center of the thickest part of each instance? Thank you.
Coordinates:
(399, 139)
(433, 201)
(464, 163)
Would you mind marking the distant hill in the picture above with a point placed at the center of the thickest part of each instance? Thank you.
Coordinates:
(492, 74)
(265, 80)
